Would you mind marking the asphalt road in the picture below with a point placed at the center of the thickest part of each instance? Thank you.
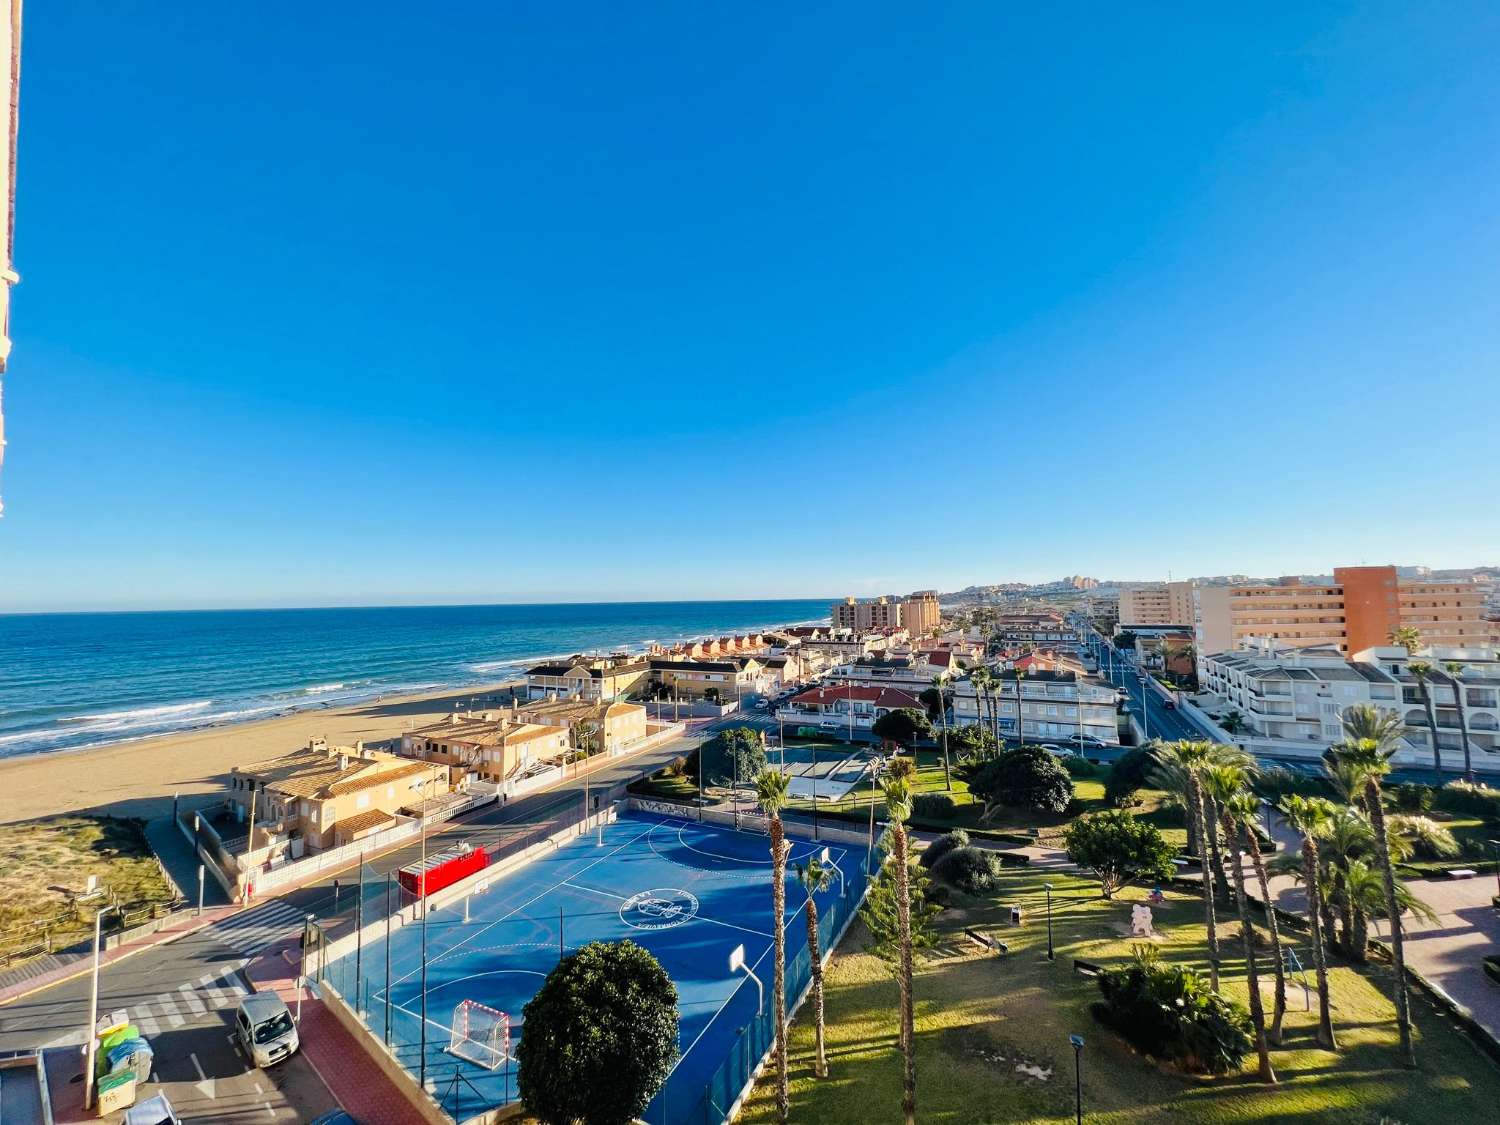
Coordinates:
(182, 994)
(1145, 703)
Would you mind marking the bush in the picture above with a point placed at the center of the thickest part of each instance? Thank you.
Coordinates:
(1029, 778)
(1475, 800)
(1414, 798)
(944, 844)
(971, 870)
(933, 806)
(1080, 768)
(1170, 1012)
(901, 767)
(1129, 773)
(601, 1036)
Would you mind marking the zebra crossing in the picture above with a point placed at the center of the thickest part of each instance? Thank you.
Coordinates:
(189, 1003)
(262, 926)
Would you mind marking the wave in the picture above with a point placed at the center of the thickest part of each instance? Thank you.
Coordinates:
(139, 713)
(321, 689)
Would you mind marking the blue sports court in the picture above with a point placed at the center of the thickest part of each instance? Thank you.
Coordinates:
(687, 891)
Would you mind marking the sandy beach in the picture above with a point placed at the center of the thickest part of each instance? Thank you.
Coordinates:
(139, 778)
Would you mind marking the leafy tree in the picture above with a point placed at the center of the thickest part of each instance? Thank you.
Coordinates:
(905, 726)
(1124, 641)
(1029, 778)
(1118, 849)
(972, 870)
(1130, 772)
(934, 700)
(771, 788)
(944, 844)
(743, 745)
(601, 1036)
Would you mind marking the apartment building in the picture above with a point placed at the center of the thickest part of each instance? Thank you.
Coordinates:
(1358, 610)
(1169, 603)
(617, 724)
(585, 677)
(874, 613)
(1475, 687)
(1294, 693)
(720, 681)
(910, 674)
(921, 615)
(836, 709)
(493, 746)
(326, 796)
(1054, 705)
(1046, 628)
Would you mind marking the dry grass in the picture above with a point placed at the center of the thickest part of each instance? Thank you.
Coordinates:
(47, 863)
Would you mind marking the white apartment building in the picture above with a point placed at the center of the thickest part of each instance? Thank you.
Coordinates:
(1054, 705)
(1478, 681)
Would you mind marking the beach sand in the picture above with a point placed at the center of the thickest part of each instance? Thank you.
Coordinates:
(139, 778)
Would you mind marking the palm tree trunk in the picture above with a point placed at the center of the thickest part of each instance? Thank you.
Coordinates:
(1020, 726)
(1345, 903)
(1393, 908)
(1221, 881)
(1247, 939)
(1279, 1009)
(1195, 799)
(903, 932)
(1437, 752)
(820, 1065)
(943, 720)
(1320, 955)
(1463, 728)
(778, 911)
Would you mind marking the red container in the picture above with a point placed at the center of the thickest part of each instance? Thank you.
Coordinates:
(441, 870)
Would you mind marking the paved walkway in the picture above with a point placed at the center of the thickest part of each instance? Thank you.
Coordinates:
(341, 1060)
(181, 862)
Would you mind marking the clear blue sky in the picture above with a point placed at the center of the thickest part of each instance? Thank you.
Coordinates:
(329, 303)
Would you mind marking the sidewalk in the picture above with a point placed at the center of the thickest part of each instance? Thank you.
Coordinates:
(344, 1064)
(181, 862)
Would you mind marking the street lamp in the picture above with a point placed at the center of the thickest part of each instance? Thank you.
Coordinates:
(1077, 1041)
(1050, 955)
(93, 1037)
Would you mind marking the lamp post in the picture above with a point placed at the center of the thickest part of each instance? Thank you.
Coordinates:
(1051, 956)
(92, 1039)
(1077, 1041)
(302, 967)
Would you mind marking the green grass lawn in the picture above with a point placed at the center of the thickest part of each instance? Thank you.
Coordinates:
(993, 1033)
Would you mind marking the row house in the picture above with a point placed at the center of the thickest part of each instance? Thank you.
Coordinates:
(1053, 704)
(492, 746)
(612, 726)
(718, 681)
(582, 677)
(836, 709)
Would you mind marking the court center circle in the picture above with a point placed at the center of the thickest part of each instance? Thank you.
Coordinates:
(660, 908)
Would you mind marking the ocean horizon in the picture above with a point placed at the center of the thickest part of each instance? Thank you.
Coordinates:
(72, 681)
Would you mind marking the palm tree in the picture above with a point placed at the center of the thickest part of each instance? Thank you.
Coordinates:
(897, 809)
(1241, 808)
(1420, 671)
(1224, 782)
(1365, 720)
(937, 683)
(981, 679)
(1407, 637)
(1191, 757)
(1020, 726)
(1373, 761)
(1348, 837)
(815, 877)
(1310, 816)
(1455, 669)
(771, 794)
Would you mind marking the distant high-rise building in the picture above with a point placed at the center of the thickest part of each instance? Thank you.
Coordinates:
(876, 613)
(1170, 603)
(920, 613)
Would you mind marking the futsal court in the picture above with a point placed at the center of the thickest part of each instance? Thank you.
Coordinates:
(690, 893)
(830, 771)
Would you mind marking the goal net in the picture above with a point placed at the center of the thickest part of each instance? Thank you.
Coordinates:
(481, 1035)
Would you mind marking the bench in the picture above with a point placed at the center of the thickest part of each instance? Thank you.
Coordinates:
(984, 941)
(1461, 873)
(1087, 968)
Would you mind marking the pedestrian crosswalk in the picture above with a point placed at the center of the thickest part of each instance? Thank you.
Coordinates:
(188, 1003)
(255, 929)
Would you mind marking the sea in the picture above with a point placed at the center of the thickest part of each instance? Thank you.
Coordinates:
(74, 680)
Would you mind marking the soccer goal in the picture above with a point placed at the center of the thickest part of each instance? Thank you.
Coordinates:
(481, 1035)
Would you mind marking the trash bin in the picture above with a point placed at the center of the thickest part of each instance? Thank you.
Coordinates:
(1015, 915)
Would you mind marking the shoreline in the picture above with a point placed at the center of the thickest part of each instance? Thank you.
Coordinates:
(139, 777)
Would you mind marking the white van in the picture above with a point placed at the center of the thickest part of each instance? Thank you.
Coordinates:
(265, 1029)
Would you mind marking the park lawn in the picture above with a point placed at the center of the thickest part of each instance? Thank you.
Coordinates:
(47, 861)
(987, 1026)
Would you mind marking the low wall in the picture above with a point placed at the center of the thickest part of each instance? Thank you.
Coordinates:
(419, 1099)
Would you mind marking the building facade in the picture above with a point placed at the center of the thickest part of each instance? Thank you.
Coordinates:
(1170, 603)
(921, 616)
(874, 613)
(1054, 705)
(835, 710)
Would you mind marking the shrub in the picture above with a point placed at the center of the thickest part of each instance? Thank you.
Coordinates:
(901, 767)
(1129, 773)
(1079, 767)
(971, 870)
(1475, 800)
(933, 806)
(1414, 798)
(1029, 778)
(944, 844)
(1117, 848)
(1169, 1011)
(601, 1036)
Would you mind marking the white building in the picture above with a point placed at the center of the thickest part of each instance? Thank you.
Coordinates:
(829, 708)
(1054, 706)
(1479, 680)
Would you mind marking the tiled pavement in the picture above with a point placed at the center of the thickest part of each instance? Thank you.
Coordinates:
(347, 1069)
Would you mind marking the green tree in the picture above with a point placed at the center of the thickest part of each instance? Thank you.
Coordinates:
(1310, 817)
(1421, 671)
(1241, 808)
(815, 876)
(1118, 848)
(1187, 759)
(1372, 761)
(771, 794)
(735, 754)
(1407, 637)
(904, 726)
(897, 809)
(1224, 782)
(601, 1036)
(1130, 772)
(1028, 777)
(1455, 670)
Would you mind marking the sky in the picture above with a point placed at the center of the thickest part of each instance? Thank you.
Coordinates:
(350, 303)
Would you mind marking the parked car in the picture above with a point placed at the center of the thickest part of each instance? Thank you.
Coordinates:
(1086, 740)
(1169, 705)
(265, 1029)
(155, 1110)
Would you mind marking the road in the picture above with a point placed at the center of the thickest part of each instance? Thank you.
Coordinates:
(182, 994)
(1145, 703)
